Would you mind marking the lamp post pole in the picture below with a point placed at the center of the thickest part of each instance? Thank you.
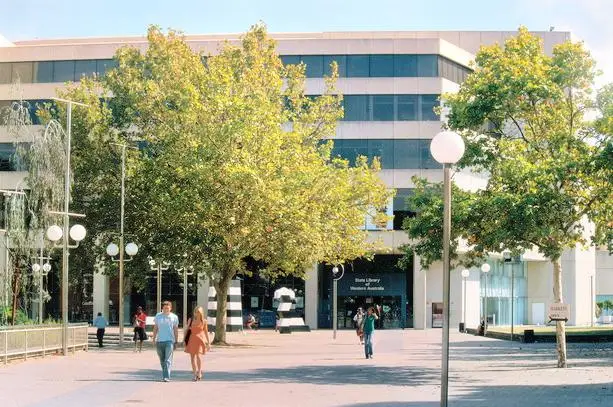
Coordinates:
(447, 148)
(69, 104)
(334, 295)
(512, 301)
(485, 268)
(465, 274)
(446, 284)
(157, 267)
(187, 271)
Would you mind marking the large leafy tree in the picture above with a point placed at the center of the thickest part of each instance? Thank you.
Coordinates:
(522, 115)
(234, 166)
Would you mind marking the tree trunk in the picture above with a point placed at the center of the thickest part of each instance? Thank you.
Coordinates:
(16, 289)
(222, 305)
(560, 325)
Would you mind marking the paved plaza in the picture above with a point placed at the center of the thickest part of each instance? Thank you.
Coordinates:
(265, 368)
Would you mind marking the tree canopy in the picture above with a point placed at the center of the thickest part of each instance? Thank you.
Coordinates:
(234, 160)
(522, 115)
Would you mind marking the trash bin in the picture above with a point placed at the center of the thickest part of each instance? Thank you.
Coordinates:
(462, 327)
(529, 336)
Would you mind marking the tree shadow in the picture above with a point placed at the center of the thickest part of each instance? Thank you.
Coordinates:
(322, 374)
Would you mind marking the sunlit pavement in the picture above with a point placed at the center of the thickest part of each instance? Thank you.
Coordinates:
(266, 368)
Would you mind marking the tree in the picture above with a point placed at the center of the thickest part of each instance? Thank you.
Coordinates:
(234, 162)
(521, 113)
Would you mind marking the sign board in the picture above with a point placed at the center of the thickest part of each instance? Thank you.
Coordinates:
(559, 312)
(255, 302)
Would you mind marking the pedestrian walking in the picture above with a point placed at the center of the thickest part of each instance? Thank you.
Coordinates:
(358, 319)
(101, 323)
(165, 334)
(197, 341)
(140, 321)
(369, 329)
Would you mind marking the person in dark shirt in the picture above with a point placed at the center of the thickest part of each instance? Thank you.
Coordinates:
(369, 329)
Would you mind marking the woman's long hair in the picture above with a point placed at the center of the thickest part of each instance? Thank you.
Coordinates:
(198, 314)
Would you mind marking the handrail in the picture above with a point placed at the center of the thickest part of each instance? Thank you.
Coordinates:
(22, 342)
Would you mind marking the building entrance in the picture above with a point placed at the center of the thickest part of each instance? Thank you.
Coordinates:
(387, 307)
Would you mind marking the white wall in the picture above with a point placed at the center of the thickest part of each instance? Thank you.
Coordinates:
(539, 286)
(311, 297)
(604, 273)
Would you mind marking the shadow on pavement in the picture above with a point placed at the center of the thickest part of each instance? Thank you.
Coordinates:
(330, 375)
(592, 395)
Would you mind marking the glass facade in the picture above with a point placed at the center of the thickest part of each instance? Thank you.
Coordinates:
(381, 66)
(377, 283)
(31, 105)
(386, 108)
(53, 71)
(393, 153)
(501, 292)
(349, 66)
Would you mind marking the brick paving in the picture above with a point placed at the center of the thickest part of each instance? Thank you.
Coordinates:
(310, 369)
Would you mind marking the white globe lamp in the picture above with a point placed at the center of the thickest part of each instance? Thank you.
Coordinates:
(447, 147)
(77, 233)
(112, 250)
(486, 268)
(54, 233)
(131, 249)
(36, 267)
(465, 273)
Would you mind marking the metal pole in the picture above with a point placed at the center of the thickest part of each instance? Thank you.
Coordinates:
(464, 308)
(6, 259)
(485, 307)
(40, 288)
(592, 301)
(159, 289)
(185, 297)
(65, 242)
(512, 301)
(446, 284)
(334, 313)
(121, 242)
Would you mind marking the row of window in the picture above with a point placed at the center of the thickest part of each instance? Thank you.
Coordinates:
(381, 66)
(349, 66)
(390, 107)
(393, 153)
(357, 107)
(8, 160)
(53, 71)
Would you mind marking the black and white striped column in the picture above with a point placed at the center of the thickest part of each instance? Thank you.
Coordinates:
(234, 310)
(289, 321)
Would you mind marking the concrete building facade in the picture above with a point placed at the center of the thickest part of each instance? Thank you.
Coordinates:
(391, 82)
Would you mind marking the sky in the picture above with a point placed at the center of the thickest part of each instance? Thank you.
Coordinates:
(588, 20)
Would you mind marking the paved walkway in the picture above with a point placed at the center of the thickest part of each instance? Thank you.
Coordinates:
(310, 369)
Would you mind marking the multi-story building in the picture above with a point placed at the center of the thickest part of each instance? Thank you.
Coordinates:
(391, 81)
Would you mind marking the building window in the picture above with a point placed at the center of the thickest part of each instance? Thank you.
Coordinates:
(22, 72)
(383, 107)
(86, 67)
(314, 65)
(104, 65)
(390, 107)
(63, 71)
(5, 72)
(341, 61)
(382, 66)
(358, 66)
(43, 72)
(401, 211)
(427, 66)
(393, 153)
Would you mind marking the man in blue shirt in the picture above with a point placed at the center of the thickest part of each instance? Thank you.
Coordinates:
(101, 324)
(165, 334)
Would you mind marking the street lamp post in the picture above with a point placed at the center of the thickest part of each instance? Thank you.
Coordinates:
(335, 278)
(465, 274)
(65, 214)
(447, 148)
(156, 266)
(113, 250)
(485, 268)
(187, 271)
(76, 233)
(43, 269)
